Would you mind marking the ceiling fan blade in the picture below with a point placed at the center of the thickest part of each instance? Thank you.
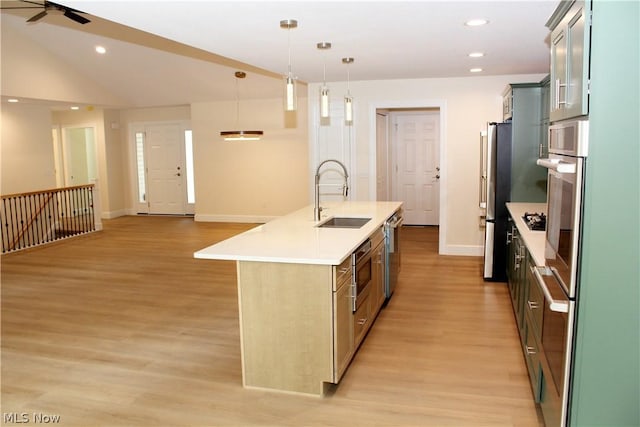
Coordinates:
(38, 16)
(75, 17)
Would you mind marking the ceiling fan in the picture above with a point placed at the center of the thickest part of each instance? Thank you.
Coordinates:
(50, 6)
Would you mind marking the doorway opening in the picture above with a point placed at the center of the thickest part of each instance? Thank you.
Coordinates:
(409, 154)
(75, 156)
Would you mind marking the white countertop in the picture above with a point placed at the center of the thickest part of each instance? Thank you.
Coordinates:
(534, 240)
(294, 238)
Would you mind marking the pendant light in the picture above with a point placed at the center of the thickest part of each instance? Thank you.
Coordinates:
(240, 135)
(290, 96)
(348, 99)
(324, 90)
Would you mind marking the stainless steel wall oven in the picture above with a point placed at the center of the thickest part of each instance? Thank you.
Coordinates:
(559, 278)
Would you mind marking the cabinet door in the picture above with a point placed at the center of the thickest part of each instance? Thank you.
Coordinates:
(577, 57)
(343, 329)
(570, 64)
(558, 73)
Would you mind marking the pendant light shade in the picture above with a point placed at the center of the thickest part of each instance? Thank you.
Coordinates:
(240, 135)
(348, 99)
(324, 90)
(290, 95)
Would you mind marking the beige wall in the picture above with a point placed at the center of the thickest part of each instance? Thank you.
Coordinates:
(27, 149)
(252, 180)
(467, 105)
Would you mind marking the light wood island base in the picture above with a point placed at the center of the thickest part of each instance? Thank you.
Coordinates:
(286, 323)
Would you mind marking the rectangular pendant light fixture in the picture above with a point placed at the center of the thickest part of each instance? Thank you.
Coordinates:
(290, 95)
(348, 99)
(324, 90)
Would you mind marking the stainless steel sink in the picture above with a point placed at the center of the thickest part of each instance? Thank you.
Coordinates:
(344, 222)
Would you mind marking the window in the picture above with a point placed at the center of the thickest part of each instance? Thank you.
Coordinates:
(142, 185)
(188, 155)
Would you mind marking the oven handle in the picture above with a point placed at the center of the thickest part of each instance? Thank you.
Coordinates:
(557, 165)
(554, 305)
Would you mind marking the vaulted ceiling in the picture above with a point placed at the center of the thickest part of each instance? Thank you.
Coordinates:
(177, 52)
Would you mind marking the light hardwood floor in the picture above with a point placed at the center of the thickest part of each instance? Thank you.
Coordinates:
(125, 328)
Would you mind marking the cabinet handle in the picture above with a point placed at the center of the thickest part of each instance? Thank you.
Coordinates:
(557, 100)
(509, 234)
(531, 350)
(344, 270)
(532, 305)
(362, 321)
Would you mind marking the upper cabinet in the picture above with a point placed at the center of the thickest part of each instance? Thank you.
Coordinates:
(570, 27)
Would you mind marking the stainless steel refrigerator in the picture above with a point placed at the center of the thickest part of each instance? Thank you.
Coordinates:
(496, 182)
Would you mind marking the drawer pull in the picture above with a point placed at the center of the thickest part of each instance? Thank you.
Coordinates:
(531, 350)
(532, 305)
(362, 321)
(344, 270)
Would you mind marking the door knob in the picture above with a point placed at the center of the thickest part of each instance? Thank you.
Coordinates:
(178, 174)
(437, 176)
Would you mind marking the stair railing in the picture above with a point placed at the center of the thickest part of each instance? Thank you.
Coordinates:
(39, 217)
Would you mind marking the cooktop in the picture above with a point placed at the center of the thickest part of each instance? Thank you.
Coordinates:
(535, 221)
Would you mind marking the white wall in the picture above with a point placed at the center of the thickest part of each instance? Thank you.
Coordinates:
(251, 181)
(467, 104)
(26, 149)
(31, 71)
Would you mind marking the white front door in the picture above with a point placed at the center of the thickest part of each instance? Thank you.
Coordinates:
(417, 144)
(165, 169)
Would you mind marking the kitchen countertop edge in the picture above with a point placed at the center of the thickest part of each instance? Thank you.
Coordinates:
(533, 240)
(295, 238)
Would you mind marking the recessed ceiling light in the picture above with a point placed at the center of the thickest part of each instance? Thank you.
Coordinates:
(475, 70)
(12, 100)
(476, 54)
(476, 22)
(101, 50)
(75, 108)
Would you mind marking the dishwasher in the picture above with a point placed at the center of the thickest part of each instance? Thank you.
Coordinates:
(392, 227)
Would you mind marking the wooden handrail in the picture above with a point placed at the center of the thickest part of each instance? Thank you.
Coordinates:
(33, 218)
(53, 190)
(38, 217)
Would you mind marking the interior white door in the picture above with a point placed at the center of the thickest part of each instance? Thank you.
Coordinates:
(417, 168)
(165, 169)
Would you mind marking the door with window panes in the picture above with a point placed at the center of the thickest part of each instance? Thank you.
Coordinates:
(164, 166)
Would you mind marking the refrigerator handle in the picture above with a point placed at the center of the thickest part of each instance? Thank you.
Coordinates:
(482, 191)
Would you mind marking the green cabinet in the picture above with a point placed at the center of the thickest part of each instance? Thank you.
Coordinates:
(606, 367)
(527, 301)
(570, 41)
(522, 105)
(545, 99)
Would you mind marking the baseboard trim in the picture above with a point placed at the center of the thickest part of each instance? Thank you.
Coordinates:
(113, 214)
(463, 250)
(250, 219)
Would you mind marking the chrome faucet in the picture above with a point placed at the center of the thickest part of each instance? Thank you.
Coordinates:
(345, 187)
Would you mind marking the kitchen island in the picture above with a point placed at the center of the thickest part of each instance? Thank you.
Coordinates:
(298, 328)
